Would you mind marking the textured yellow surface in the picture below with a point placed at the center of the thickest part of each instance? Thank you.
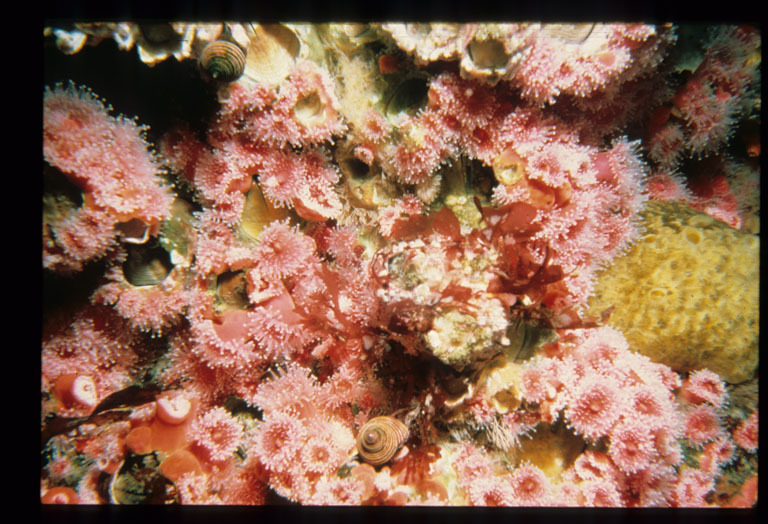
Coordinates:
(687, 294)
(552, 450)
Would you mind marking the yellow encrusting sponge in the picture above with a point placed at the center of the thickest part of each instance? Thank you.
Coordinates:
(687, 293)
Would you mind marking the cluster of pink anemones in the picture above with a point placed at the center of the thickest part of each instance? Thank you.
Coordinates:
(300, 444)
(217, 248)
(745, 436)
(279, 329)
(668, 186)
(704, 386)
(146, 308)
(530, 486)
(279, 441)
(667, 442)
(573, 187)
(375, 129)
(336, 491)
(472, 463)
(632, 446)
(461, 115)
(245, 114)
(598, 493)
(283, 251)
(534, 385)
(608, 54)
(707, 106)
(592, 465)
(491, 491)
(415, 159)
(304, 111)
(246, 487)
(204, 377)
(329, 444)
(702, 424)
(307, 108)
(218, 433)
(599, 348)
(716, 454)
(709, 118)
(225, 340)
(666, 145)
(88, 359)
(317, 199)
(691, 489)
(303, 180)
(347, 384)
(651, 487)
(594, 407)
(109, 160)
(651, 406)
(462, 106)
(290, 390)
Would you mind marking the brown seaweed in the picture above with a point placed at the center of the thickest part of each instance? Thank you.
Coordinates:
(125, 398)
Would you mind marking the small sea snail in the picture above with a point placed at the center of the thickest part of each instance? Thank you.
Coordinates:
(380, 438)
(222, 60)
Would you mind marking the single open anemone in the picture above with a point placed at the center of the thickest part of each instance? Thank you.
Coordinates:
(593, 410)
(218, 433)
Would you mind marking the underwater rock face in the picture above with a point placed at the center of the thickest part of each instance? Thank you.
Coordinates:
(394, 263)
(687, 293)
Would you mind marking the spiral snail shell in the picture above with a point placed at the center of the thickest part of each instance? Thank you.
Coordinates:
(222, 60)
(380, 438)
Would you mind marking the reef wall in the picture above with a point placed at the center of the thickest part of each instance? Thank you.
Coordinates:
(427, 264)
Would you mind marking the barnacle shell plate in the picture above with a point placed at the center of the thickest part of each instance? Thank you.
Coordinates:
(146, 265)
(272, 53)
(408, 98)
(259, 212)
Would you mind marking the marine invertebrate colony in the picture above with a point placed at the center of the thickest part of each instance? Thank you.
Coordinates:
(424, 264)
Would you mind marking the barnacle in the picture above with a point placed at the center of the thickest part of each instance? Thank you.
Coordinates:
(272, 52)
(427, 42)
(259, 212)
(146, 265)
(135, 231)
(231, 289)
(407, 98)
